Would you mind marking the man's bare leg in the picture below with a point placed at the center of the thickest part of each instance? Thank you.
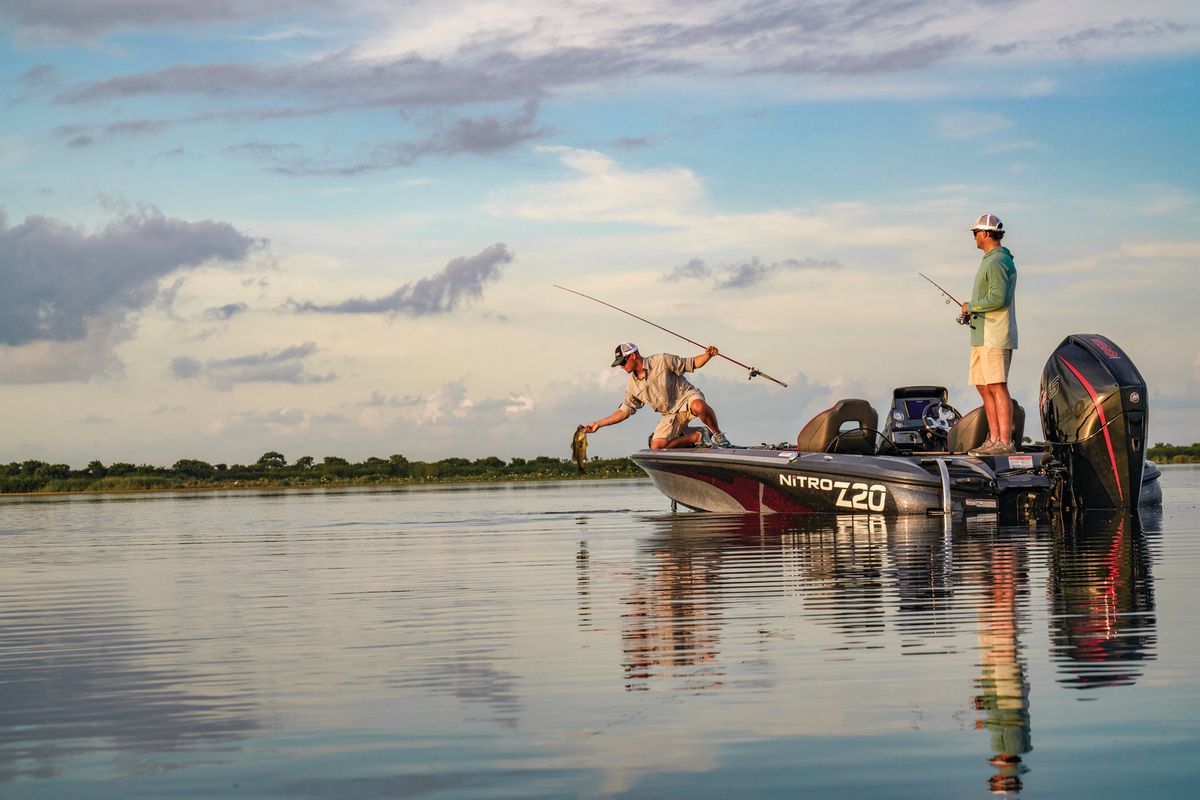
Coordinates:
(688, 439)
(704, 412)
(989, 410)
(1003, 403)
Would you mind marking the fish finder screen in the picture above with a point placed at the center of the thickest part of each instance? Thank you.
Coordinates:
(915, 408)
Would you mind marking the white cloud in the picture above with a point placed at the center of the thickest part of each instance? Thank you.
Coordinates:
(282, 422)
(674, 198)
(1158, 199)
(1187, 250)
(1039, 87)
(605, 192)
(970, 125)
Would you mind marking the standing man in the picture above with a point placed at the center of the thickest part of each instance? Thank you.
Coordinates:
(658, 382)
(993, 332)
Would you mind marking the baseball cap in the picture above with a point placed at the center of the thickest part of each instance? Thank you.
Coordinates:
(623, 352)
(987, 222)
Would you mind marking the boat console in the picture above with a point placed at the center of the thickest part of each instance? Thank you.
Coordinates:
(920, 419)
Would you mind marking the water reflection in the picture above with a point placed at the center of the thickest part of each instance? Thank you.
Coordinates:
(1003, 697)
(1102, 603)
(873, 581)
(81, 678)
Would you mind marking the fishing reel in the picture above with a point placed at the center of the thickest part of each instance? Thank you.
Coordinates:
(964, 318)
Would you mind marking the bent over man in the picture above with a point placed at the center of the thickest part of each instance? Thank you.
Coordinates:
(657, 381)
(994, 332)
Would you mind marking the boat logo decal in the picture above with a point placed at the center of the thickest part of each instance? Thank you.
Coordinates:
(1105, 347)
(857, 496)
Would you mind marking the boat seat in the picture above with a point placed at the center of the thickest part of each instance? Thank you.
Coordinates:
(829, 430)
(972, 430)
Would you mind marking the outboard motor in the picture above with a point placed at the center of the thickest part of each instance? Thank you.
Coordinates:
(1094, 415)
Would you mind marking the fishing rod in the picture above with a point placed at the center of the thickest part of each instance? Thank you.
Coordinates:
(963, 318)
(754, 371)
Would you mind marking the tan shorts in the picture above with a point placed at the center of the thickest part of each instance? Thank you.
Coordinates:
(672, 425)
(989, 365)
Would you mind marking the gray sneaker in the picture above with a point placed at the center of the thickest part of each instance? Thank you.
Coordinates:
(1003, 449)
(985, 449)
(706, 439)
(719, 439)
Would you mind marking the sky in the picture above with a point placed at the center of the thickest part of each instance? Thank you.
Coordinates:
(335, 228)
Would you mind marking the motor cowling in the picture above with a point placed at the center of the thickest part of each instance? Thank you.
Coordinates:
(1095, 413)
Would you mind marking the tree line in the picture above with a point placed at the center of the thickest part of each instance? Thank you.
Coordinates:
(273, 469)
(1175, 453)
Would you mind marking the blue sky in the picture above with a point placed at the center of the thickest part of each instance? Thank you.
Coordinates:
(334, 228)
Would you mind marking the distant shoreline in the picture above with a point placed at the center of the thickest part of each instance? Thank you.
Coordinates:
(263, 484)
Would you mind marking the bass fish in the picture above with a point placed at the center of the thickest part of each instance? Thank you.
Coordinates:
(579, 447)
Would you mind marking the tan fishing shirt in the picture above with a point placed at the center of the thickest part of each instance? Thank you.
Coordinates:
(664, 388)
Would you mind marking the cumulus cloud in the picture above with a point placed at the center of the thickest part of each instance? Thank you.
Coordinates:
(744, 274)
(281, 422)
(272, 366)
(72, 297)
(92, 356)
(462, 278)
(57, 276)
(604, 191)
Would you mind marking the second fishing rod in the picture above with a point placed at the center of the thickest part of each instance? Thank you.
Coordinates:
(964, 318)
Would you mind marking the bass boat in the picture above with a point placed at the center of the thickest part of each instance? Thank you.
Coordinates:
(1094, 416)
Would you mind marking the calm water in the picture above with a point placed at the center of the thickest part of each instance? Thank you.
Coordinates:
(578, 640)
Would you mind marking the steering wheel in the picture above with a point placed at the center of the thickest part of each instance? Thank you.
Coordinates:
(939, 418)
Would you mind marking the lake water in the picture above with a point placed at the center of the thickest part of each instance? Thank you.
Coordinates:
(578, 640)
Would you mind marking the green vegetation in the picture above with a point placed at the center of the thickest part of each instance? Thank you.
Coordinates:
(273, 470)
(1175, 453)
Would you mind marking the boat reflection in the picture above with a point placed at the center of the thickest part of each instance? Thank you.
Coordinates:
(930, 586)
(1102, 625)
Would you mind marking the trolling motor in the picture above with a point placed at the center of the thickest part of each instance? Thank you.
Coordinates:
(1094, 415)
(964, 318)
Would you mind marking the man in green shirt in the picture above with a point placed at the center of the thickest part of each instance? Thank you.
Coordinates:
(993, 311)
(657, 381)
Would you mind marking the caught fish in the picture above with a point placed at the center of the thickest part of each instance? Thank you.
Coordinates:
(579, 447)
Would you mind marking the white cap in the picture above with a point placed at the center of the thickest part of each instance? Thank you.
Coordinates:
(987, 222)
(623, 351)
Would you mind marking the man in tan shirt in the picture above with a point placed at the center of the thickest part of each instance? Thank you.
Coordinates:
(657, 381)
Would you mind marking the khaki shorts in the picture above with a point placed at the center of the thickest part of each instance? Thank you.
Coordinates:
(672, 425)
(989, 365)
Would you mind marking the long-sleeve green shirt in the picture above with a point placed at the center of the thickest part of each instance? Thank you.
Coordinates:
(994, 301)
